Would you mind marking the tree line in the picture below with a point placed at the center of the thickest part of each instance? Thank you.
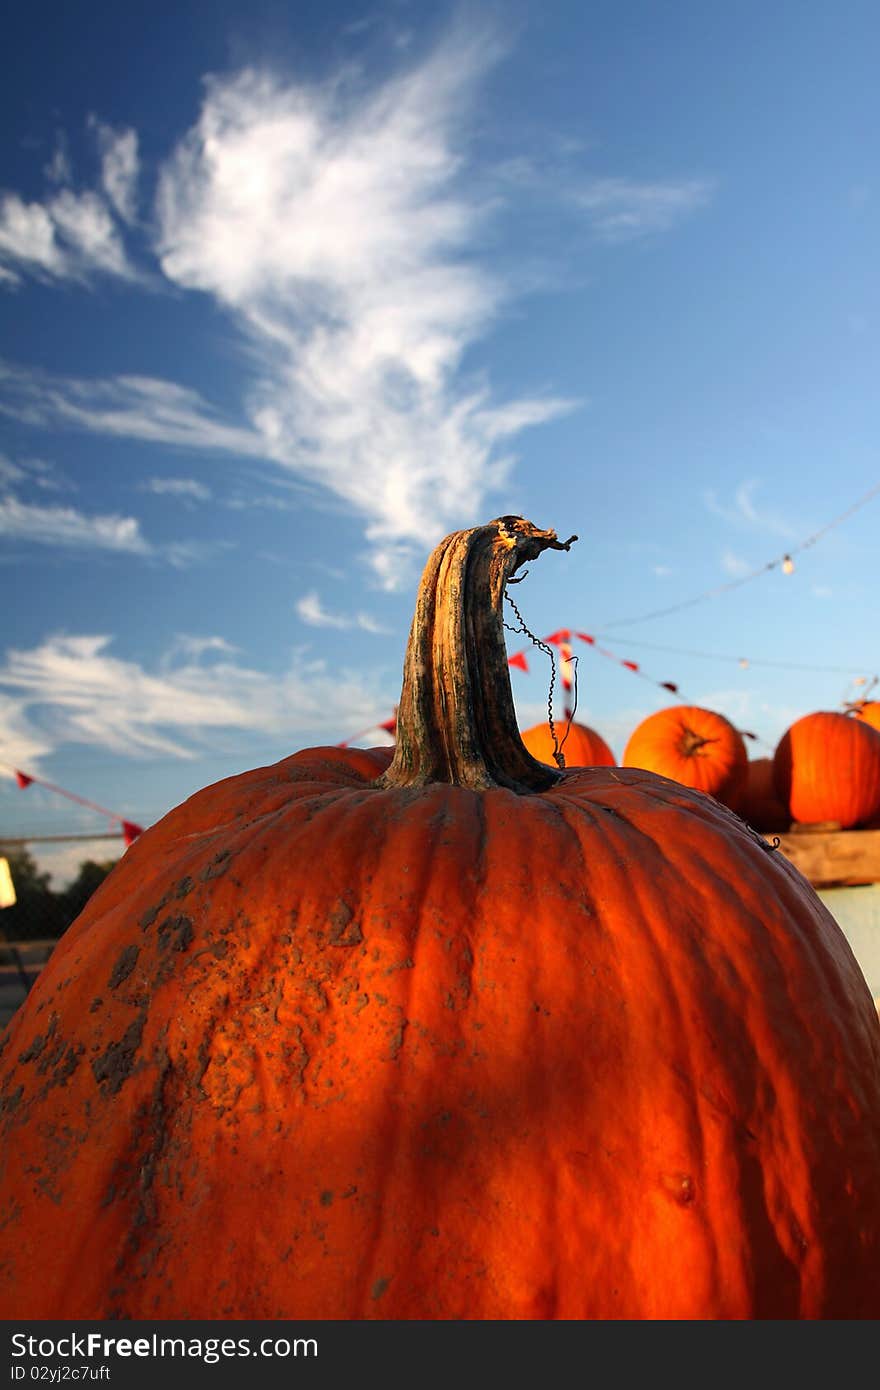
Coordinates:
(39, 913)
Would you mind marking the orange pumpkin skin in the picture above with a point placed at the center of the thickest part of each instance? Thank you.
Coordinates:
(827, 768)
(761, 805)
(500, 1058)
(323, 1047)
(583, 746)
(694, 746)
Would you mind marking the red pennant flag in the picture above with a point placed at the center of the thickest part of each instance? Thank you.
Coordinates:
(390, 725)
(519, 660)
(557, 638)
(585, 637)
(130, 831)
(565, 655)
(23, 780)
(630, 665)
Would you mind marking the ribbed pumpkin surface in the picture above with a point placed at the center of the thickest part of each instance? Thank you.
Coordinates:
(827, 768)
(453, 1035)
(696, 747)
(317, 1050)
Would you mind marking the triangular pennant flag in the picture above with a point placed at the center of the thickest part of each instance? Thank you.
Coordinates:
(518, 660)
(390, 725)
(557, 638)
(22, 779)
(130, 831)
(565, 655)
(585, 637)
(669, 685)
(630, 665)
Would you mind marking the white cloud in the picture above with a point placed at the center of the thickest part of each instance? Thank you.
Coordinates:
(35, 471)
(27, 236)
(64, 526)
(336, 227)
(133, 407)
(72, 236)
(619, 209)
(341, 227)
(59, 170)
(313, 612)
(735, 565)
(85, 694)
(186, 649)
(22, 744)
(178, 487)
(88, 231)
(745, 510)
(119, 167)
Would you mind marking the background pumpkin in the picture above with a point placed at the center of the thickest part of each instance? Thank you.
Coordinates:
(761, 805)
(694, 746)
(827, 768)
(454, 1036)
(869, 712)
(583, 747)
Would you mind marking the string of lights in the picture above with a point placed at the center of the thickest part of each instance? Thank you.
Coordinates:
(783, 562)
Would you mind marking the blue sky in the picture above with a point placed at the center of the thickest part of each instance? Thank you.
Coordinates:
(289, 292)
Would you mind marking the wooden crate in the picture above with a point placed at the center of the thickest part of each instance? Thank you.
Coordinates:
(832, 858)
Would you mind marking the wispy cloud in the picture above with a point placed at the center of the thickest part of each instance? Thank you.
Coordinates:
(32, 471)
(340, 226)
(313, 612)
(621, 209)
(745, 511)
(120, 166)
(72, 529)
(178, 487)
(133, 407)
(735, 565)
(72, 235)
(85, 694)
(22, 743)
(336, 224)
(59, 168)
(65, 526)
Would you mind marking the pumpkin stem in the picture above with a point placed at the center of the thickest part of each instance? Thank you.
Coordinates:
(456, 720)
(692, 742)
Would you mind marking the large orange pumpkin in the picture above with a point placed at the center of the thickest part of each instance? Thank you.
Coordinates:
(582, 747)
(455, 1035)
(696, 747)
(827, 768)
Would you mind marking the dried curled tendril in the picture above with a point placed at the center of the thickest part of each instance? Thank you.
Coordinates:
(558, 754)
